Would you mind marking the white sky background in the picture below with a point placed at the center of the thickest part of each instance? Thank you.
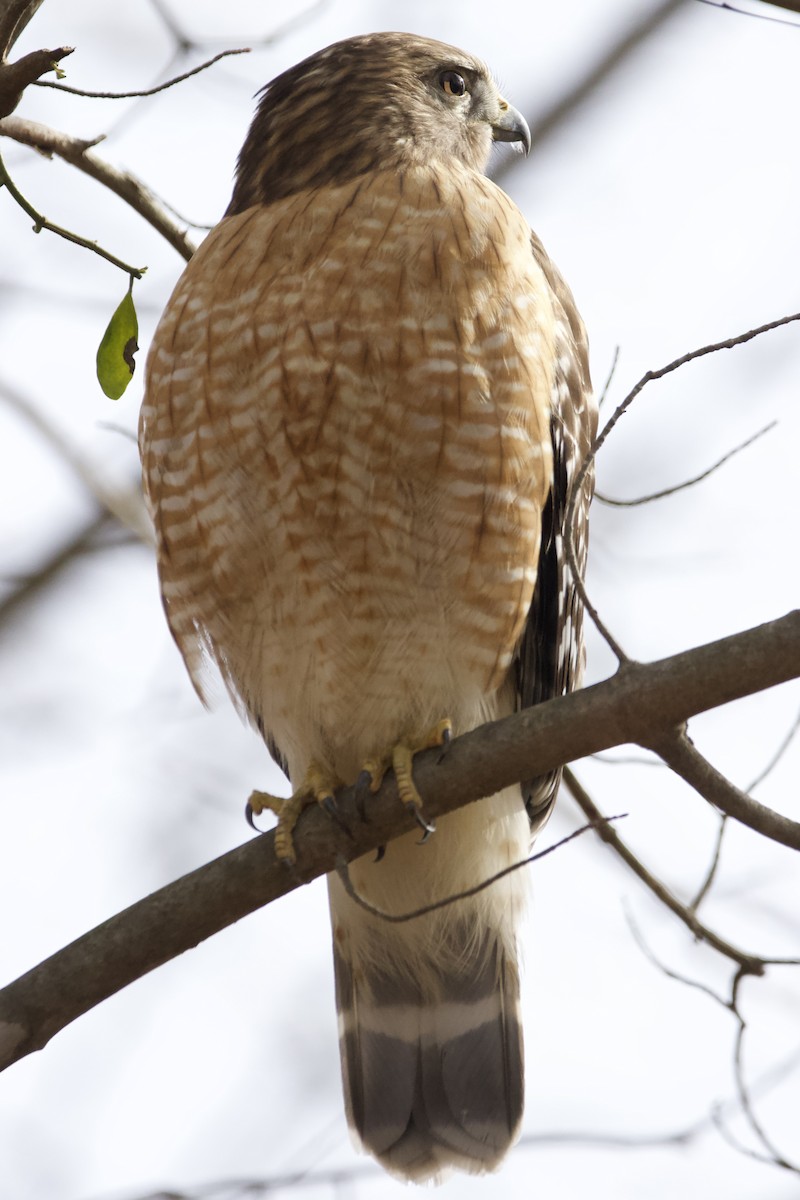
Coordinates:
(670, 202)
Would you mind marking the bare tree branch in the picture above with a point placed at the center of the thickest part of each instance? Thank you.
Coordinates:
(632, 706)
(745, 1101)
(752, 963)
(687, 483)
(76, 544)
(711, 873)
(16, 76)
(41, 222)
(127, 506)
(153, 91)
(762, 775)
(14, 16)
(620, 410)
(549, 122)
(78, 152)
(679, 753)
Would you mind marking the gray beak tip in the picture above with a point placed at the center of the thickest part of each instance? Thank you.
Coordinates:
(512, 127)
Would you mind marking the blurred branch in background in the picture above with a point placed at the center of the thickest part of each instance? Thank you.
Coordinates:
(247, 1188)
(78, 153)
(565, 108)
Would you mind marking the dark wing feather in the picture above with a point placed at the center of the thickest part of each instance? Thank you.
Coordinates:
(549, 660)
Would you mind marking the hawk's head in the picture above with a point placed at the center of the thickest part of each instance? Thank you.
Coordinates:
(382, 101)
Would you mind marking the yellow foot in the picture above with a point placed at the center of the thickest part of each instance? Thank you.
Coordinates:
(317, 787)
(401, 759)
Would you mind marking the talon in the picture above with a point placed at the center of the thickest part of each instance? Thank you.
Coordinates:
(440, 735)
(401, 759)
(249, 816)
(317, 787)
(329, 804)
(427, 827)
(361, 790)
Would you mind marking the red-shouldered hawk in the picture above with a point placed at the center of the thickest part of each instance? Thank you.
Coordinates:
(366, 402)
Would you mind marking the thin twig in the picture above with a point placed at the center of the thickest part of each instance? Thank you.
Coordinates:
(777, 756)
(414, 914)
(601, 399)
(744, 1096)
(41, 223)
(680, 753)
(621, 409)
(161, 87)
(752, 963)
(679, 487)
(639, 938)
(15, 77)
(703, 890)
(762, 775)
(186, 43)
(772, 1155)
(79, 153)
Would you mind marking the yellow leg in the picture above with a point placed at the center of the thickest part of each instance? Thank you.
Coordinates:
(401, 758)
(317, 787)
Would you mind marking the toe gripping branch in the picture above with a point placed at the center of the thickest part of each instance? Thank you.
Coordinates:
(319, 785)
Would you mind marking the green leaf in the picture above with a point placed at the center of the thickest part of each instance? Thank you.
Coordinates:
(115, 365)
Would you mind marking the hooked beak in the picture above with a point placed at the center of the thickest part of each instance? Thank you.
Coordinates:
(511, 126)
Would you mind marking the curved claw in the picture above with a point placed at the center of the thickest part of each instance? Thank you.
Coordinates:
(249, 816)
(329, 804)
(427, 827)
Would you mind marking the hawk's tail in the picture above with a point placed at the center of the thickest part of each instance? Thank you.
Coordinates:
(433, 1082)
(429, 1022)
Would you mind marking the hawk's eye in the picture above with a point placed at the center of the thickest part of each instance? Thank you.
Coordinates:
(452, 83)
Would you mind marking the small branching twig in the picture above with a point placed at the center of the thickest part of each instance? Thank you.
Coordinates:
(79, 153)
(687, 483)
(603, 395)
(40, 223)
(16, 76)
(774, 1155)
(705, 886)
(762, 775)
(639, 938)
(619, 412)
(161, 87)
(777, 756)
(745, 1101)
(752, 963)
(679, 753)
(414, 914)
